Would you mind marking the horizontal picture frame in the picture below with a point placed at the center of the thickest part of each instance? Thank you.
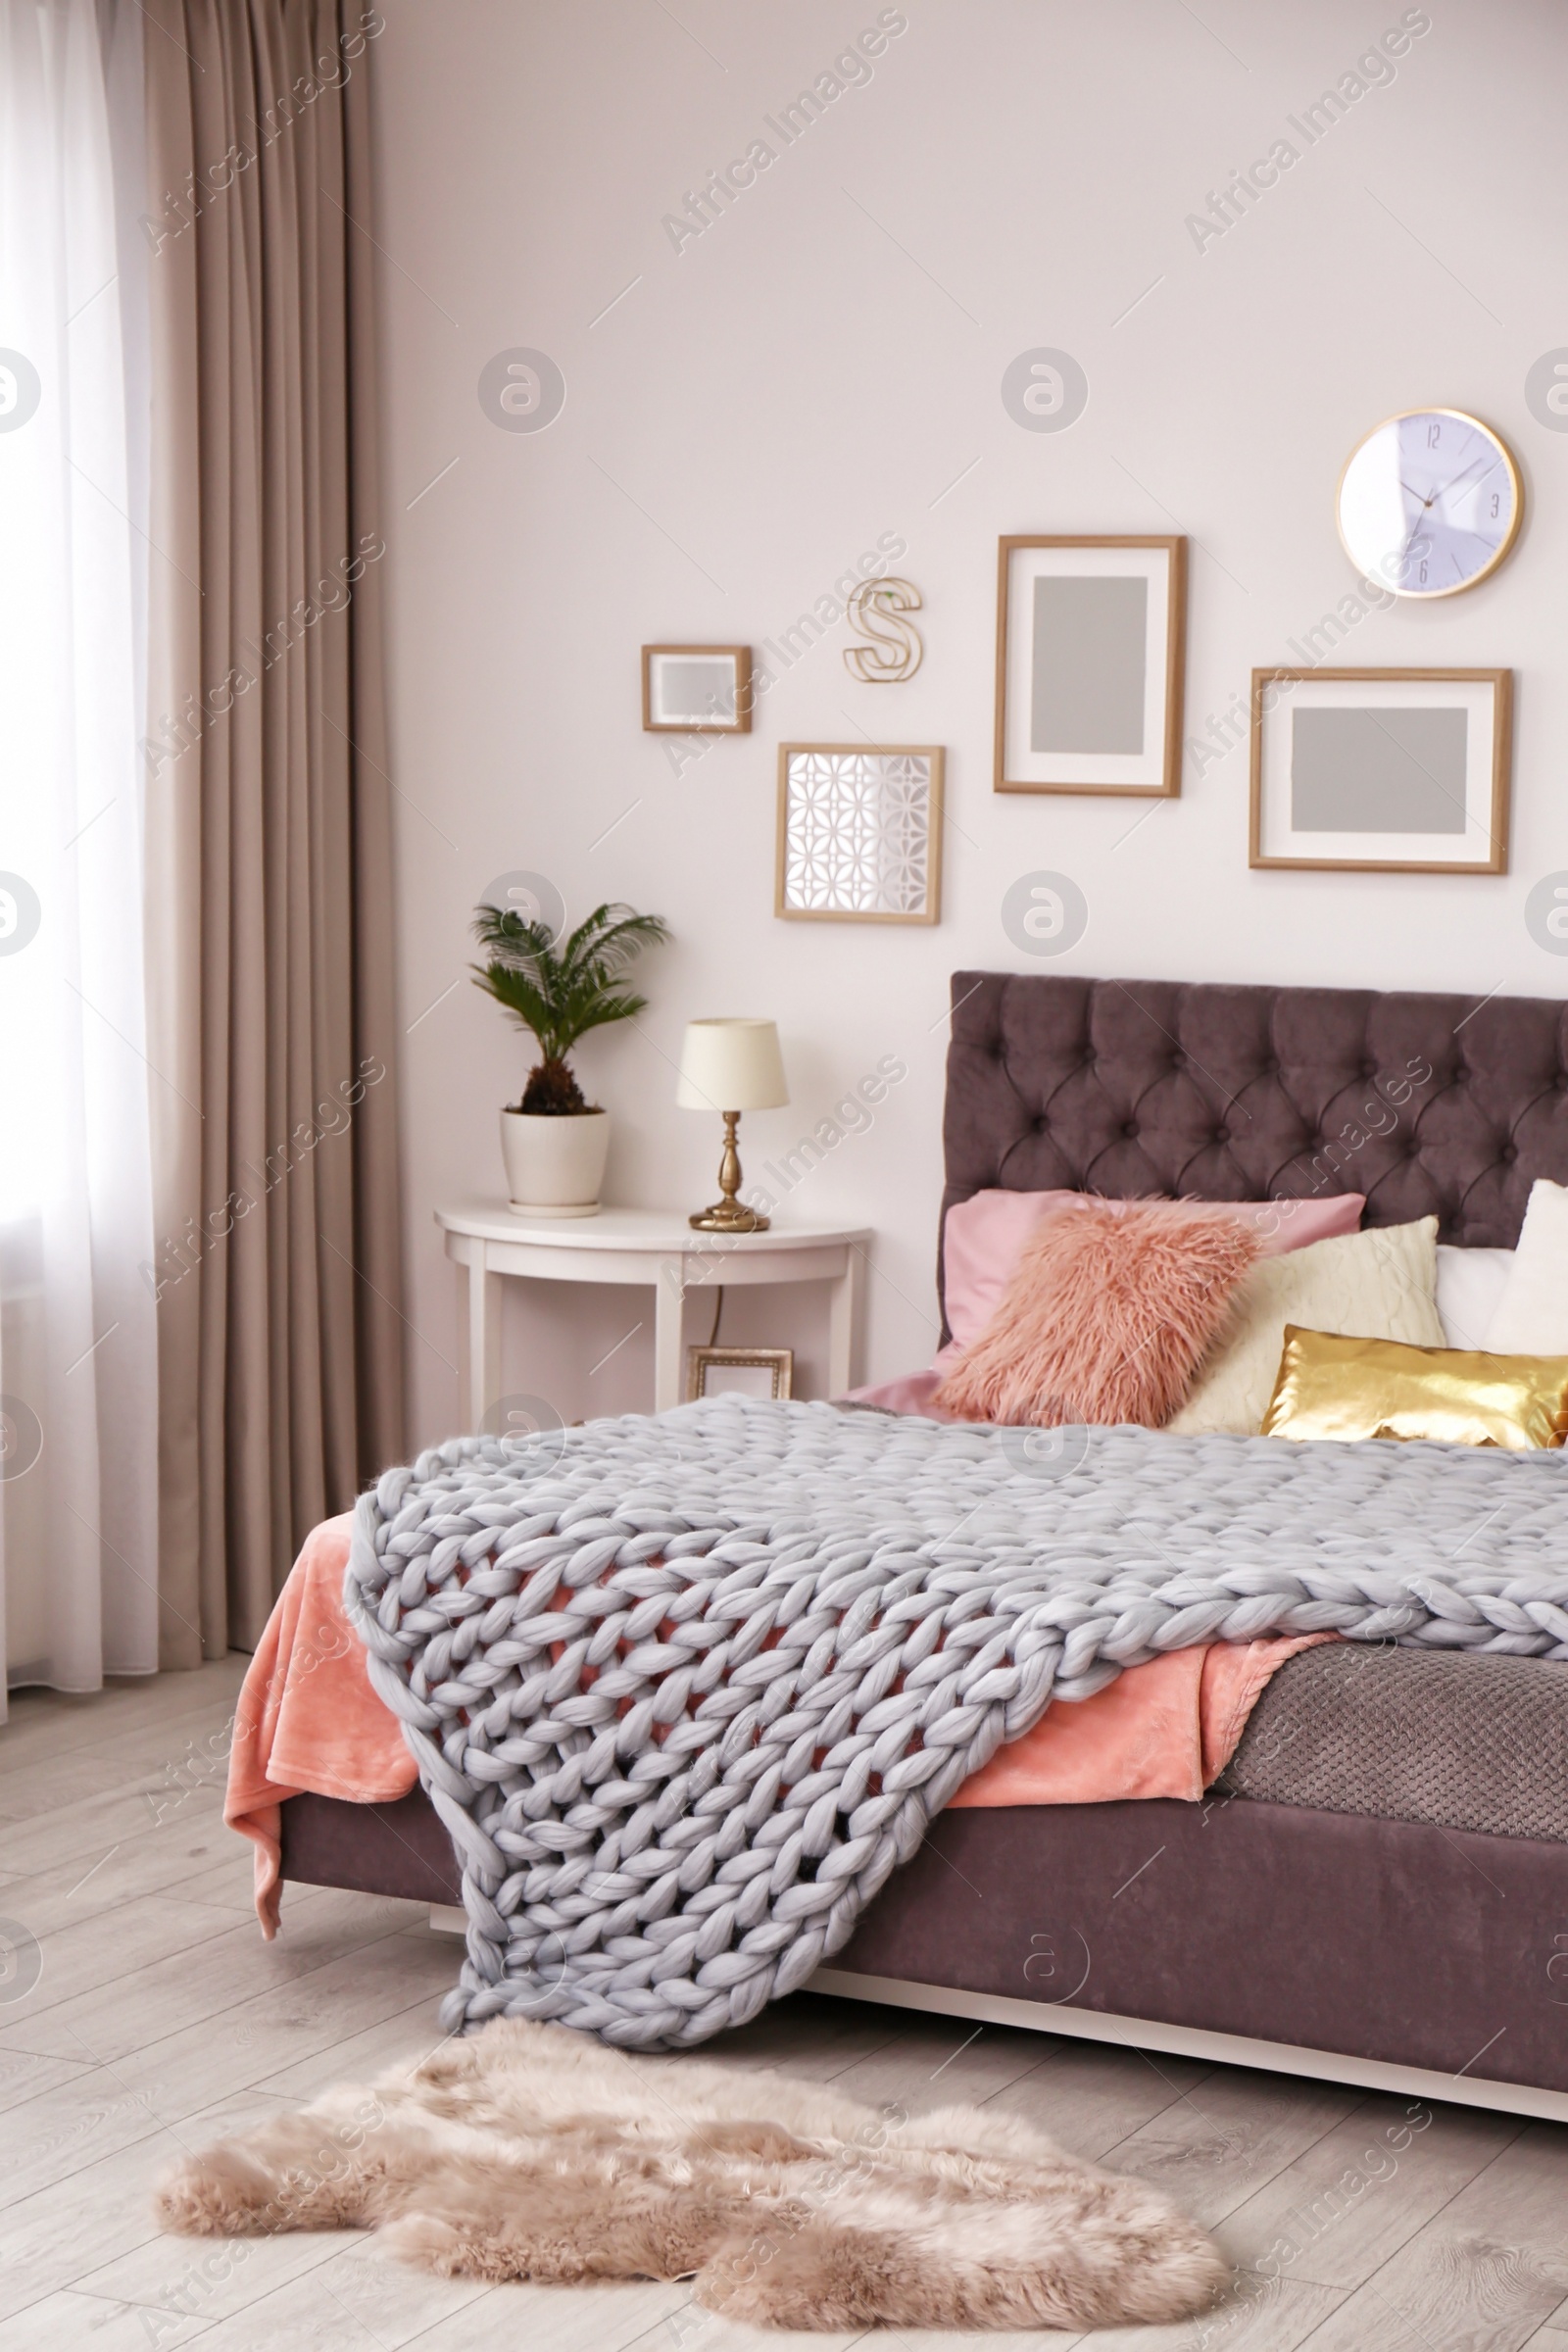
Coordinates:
(767, 1373)
(697, 690)
(1381, 771)
(859, 832)
(1091, 657)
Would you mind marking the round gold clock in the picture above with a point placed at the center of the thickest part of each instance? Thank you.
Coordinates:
(1430, 502)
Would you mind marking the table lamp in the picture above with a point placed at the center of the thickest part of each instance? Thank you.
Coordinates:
(730, 1067)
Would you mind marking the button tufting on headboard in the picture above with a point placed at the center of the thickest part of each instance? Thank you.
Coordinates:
(1446, 1106)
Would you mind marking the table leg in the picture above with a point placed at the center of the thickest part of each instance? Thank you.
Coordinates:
(670, 1295)
(844, 1325)
(480, 1376)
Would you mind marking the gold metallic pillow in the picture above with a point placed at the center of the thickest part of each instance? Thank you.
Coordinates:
(1332, 1386)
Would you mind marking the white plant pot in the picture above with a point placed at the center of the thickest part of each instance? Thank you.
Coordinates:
(555, 1165)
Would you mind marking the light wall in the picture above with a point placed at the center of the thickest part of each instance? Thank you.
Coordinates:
(749, 409)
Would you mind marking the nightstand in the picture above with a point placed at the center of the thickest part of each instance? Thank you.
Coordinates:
(655, 1246)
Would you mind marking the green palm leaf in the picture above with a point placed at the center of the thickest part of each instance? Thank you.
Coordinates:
(561, 994)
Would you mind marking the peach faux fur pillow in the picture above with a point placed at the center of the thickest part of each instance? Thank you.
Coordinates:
(1107, 1316)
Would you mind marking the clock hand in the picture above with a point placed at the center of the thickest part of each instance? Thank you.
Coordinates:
(1487, 464)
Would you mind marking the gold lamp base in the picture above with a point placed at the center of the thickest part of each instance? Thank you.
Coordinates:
(727, 1214)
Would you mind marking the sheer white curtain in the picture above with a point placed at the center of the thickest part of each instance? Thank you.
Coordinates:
(78, 1536)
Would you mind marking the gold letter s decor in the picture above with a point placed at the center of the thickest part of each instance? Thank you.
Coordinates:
(894, 653)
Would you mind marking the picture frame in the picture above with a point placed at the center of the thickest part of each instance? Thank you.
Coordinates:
(1381, 771)
(860, 833)
(761, 1372)
(1091, 659)
(697, 690)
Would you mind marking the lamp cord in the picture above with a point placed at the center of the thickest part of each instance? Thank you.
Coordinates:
(718, 1309)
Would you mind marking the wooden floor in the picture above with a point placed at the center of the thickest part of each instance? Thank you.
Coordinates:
(159, 2019)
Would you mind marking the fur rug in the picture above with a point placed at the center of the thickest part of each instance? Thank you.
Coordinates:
(530, 2151)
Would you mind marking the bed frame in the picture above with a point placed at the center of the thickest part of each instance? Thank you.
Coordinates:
(1387, 1954)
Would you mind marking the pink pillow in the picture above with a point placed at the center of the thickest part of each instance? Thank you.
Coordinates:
(1286, 1225)
(1107, 1316)
(984, 1236)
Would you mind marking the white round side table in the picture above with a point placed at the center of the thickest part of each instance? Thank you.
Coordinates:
(650, 1245)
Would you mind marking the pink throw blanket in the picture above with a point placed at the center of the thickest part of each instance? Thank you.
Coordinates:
(308, 1719)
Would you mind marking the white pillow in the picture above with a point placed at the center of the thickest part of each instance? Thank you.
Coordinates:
(1377, 1285)
(1470, 1288)
(1531, 1317)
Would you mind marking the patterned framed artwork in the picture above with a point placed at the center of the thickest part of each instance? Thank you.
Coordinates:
(860, 833)
(1091, 650)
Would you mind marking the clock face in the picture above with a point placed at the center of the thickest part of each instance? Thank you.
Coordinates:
(1430, 502)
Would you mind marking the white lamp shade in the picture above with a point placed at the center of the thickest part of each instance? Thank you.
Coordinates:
(731, 1065)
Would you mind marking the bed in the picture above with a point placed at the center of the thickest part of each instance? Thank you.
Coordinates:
(1376, 1892)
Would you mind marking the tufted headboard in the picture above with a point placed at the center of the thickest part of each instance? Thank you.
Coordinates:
(1428, 1105)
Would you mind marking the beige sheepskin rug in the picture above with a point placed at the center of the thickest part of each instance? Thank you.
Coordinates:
(531, 2151)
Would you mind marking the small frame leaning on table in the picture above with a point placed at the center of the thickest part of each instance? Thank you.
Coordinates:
(766, 1372)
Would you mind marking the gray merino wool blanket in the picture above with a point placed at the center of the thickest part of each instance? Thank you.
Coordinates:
(686, 1689)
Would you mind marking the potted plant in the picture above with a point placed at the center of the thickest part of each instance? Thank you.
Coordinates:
(554, 1142)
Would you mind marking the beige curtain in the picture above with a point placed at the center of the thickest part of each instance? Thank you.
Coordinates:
(269, 903)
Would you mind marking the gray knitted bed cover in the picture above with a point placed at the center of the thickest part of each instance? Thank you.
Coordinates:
(686, 1689)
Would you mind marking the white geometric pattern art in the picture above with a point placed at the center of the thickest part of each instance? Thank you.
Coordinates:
(856, 833)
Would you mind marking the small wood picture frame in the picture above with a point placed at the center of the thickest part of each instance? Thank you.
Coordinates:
(697, 689)
(1090, 654)
(860, 833)
(1381, 771)
(767, 1373)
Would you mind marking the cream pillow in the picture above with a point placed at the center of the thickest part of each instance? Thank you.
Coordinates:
(1470, 1288)
(1531, 1317)
(1377, 1285)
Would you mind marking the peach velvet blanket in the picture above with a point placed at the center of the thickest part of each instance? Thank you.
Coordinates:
(308, 1719)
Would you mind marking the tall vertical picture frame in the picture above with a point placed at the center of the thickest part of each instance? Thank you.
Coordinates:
(1091, 654)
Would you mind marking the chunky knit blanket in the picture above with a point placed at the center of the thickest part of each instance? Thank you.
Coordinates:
(686, 1689)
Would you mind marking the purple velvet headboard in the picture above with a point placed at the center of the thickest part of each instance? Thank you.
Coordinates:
(1428, 1105)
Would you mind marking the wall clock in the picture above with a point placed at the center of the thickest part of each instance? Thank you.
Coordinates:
(1430, 502)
